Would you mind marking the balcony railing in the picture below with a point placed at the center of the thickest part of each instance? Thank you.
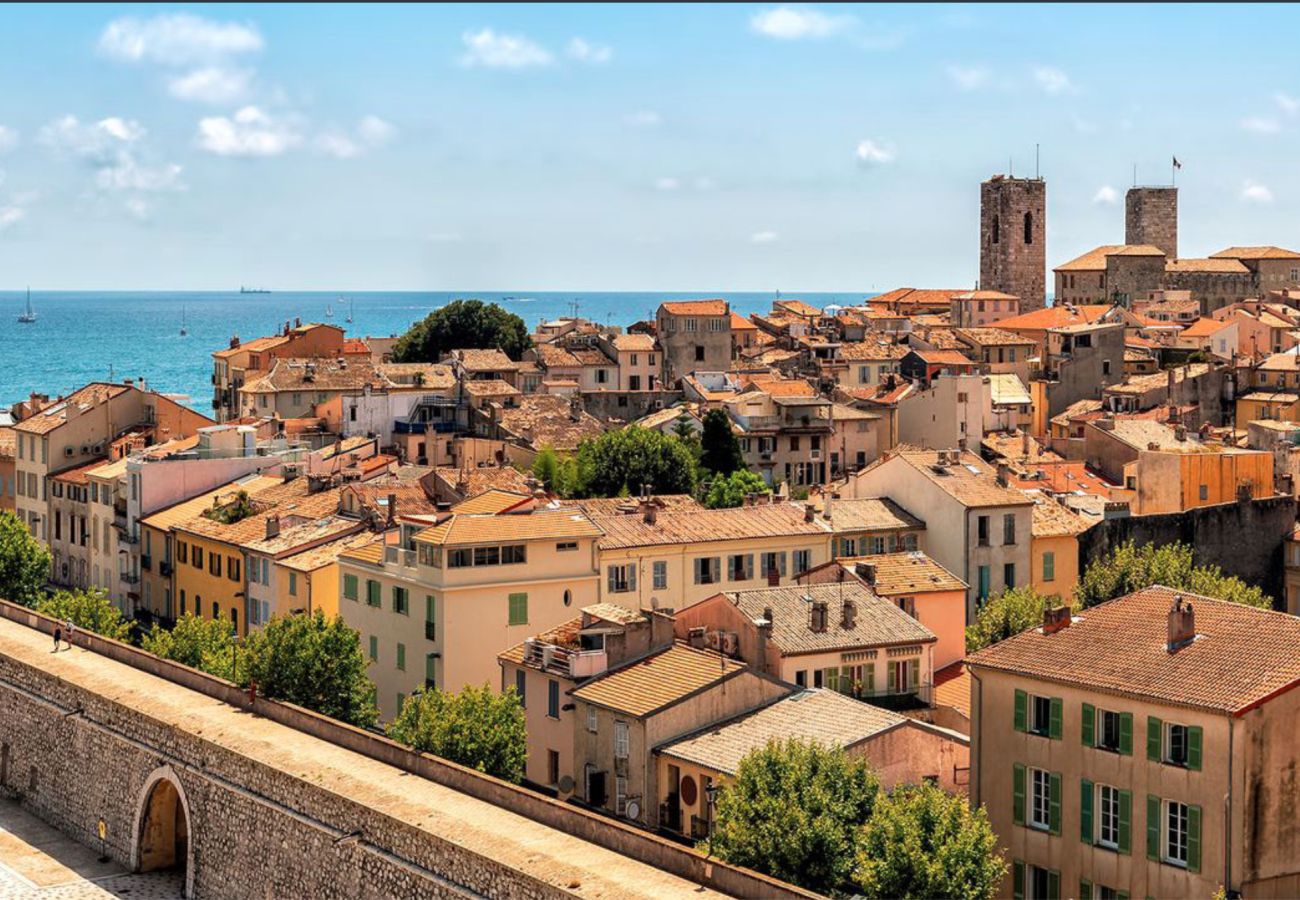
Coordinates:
(563, 660)
(398, 556)
(128, 577)
(401, 426)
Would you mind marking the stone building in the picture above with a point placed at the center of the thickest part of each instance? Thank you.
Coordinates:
(694, 335)
(1013, 238)
(1151, 217)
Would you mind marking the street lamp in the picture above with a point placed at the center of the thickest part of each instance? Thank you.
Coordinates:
(710, 795)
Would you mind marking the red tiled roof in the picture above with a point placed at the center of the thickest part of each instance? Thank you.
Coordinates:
(695, 307)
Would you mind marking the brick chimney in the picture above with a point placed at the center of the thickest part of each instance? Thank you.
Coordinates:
(649, 511)
(272, 526)
(818, 622)
(1181, 624)
(809, 512)
(1003, 471)
(1055, 618)
(867, 572)
(848, 614)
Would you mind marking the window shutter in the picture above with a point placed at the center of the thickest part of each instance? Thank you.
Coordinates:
(871, 678)
(1194, 748)
(1053, 885)
(1155, 730)
(914, 674)
(1018, 794)
(611, 579)
(1055, 803)
(1125, 819)
(1085, 890)
(1193, 839)
(749, 566)
(1054, 726)
(1089, 725)
(1126, 734)
(1021, 701)
(1085, 811)
(1018, 880)
(631, 576)
(1153, 827)
(893, 679)
(781, 563)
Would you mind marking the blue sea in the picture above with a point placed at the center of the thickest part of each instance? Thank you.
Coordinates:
(83, 336)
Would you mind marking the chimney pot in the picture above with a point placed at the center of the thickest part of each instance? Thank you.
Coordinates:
(1055, 618)
(1181, 624)
(809, 512)
(272, 526)
(1004, 471)
(849, 615)
(649, 511)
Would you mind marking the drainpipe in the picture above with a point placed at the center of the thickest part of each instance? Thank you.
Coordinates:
(1227, 818)
(979, 743)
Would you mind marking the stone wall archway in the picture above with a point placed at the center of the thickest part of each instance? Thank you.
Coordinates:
(162, 837)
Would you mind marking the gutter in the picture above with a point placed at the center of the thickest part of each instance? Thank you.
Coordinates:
(978, 722)
(1227, 817)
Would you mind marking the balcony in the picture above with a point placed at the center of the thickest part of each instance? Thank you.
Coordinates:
(146, 562)
(128, 577)
(401, 426)
(165, 568)
(396, 556)
(915, 697)
(563, 660)
(670, 815)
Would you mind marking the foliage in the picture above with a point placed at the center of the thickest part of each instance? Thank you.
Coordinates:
(238, 509)
(923, 842)
(90, 610)
(1011, 612)
(24, 563)
(476, 728)
(731, 489)
(1130, 568)
(314, 662)
(621, 461)
(195, 642)
(794, 811)
(463, 324)
(721, 451)
(546, 467)
(684, 427)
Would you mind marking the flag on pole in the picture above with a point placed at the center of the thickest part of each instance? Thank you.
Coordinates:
(1177, 164)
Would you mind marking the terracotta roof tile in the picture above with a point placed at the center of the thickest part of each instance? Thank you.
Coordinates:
(1221, 265)
(1255, 253)
(972, 482)
(547, 420)
(952, 687)
(877, 622)
(483, 360)
(870, 514)
(56, 414)
(634, 342)
(872, 350)
(910, 572)
(491, 501)
(1051, 519)
(464, 529)
(1053, 317)
(708, 525)
(695, 307)
(740, 323)
(643, 687)
(992, 337)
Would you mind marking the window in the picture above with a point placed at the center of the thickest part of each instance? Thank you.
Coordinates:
(1029, 228)
(983, 590)
(876, 545)
(1176, 745)
(214, 564)
(350, 587)
(591, 719)
(372, 592)
(699, 353)
(740, 567)
(487, 556)
(1049, 566)
(1009, 528)
(1108, 816)
(401, 657)
(802, 561)
(401, 604)
(374, 648)
(458, 559)
(1105, 367)
(1176, 833)
(430, 671)
(293, 584)
(197, 557)
(233, 568)
(520, 681)
(982, 531)
(1040, 799)
(518, 609)
(216, 610)
(620, 740)
(1044, 884)
(772, 562)
(566, 546)
(1041, 721)
(1038, 715)
(996, 229)
(622, 579)
(552, 767)
(660, 575)
(708, 570)
(553, 699)
(1009, 575)
(430, 607)
(1204, 492)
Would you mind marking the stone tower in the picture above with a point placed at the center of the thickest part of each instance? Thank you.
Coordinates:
(1151, 217)
(1013, 238)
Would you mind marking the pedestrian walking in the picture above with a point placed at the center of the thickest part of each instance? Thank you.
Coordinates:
(58, 636)
(68, 629)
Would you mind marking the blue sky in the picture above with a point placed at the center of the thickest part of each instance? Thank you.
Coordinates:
(684, 148)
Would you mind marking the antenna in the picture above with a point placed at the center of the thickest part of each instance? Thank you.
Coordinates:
(1135, 174)
(1011, 168)
(1037, 173)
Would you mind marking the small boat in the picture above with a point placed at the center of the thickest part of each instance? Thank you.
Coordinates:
(251, 290)
(349, 319)
(184, 328)
(329, 311)
(29, 315)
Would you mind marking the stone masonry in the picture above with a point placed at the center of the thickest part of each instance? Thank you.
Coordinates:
(1013, 239)
(1151, 217)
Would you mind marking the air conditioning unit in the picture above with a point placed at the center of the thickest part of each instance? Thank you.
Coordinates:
(633, 810)
(730, 643)
(713, 640)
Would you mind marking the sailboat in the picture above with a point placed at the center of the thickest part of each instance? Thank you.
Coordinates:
(184, 328)
(29, 315)
(349, 319)
(329, 311)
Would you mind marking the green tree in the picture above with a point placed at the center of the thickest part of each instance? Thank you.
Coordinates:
(24, 563)
(623, 460)
(1130, 568)
(922, 842)
(1011, 612)
(730, 490)
(684, 427)
(194, 641)
(90, 610)
(312, 661)
(795, 811)
(476, 728)
(463, 324)
(720, 451)
(546, 467)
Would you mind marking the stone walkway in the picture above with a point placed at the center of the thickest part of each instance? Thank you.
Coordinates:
(38, 862)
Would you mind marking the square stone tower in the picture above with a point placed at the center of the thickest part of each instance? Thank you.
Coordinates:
(1151, 217)
(1013, 239)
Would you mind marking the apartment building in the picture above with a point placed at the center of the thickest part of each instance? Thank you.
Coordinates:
(1142, 748)
(693, 335)
(784, 432)
(8, 473)
(636, 359)
(978, 309)
(1054, 548)
(864, 364)
(295, 387)
(242, 362)
(869, 525)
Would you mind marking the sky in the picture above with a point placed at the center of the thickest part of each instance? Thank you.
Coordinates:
(641, 148)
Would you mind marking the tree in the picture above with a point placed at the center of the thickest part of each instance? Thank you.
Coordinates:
(721, 451)
(795, 811)
(1011, 612)
(623, 460)
(90, 610)
(684, 427)
(195, 642)
(314, 662)
(922, 842)
(463, 324)
(1130, 568)
(476, 728)
(546, 467)
(24, 563)
(730, 490)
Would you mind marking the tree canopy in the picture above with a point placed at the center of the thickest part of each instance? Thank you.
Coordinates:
(90, 610)
(195, 642)
(1130, 568)
(922, 842)
(618, 463)
(24, 563)
(463, 324)
(1011, 612)
(794, 811)
(476, 728)
(730, 490)
(720, 451)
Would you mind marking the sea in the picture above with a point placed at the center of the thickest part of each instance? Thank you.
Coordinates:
(84, 336)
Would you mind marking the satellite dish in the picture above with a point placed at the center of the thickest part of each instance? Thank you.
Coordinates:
(633, 809)
(566, 784)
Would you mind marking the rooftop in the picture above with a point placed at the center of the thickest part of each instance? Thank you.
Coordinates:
(993, 337)
(1219, 265)
(952, 688)
(1054, 317)
(483, 360)
(702, 526)
(56, 414)
(872, 350)
(548, 419)
(1095, 260)
(633, 342)
(695, 307)
(870, 514)
(971, 482)
(1051, 519)
(909, 572)
(464, 529)
(648, 685)
(1255, 253)
(311, 374)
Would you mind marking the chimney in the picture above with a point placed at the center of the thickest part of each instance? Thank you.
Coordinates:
(272, 526)
(1055, 618)
(809, 512)
(764, 637)
(826, 510)
(649, 511)
(848, 615)
(1174, 417)
(234, 341)
(575, 408)
(1003, 471)
(1182, 624)
(1024, 444)
(867, 572)
(297, 322)
(392, 508)
(1170, 381)
(819, 611)
(961, 445)
(695, 637)
(1106, 422)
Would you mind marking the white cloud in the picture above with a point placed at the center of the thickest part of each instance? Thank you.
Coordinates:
(870, 152)
(138, 207)
(1052, 80)
(594, 54)
(1106, 195)
(762, 237)
(177, 39)
(1261, 125)
(789, 23)
(1254, 192)
(113, 148)
(8, 139)
(969, 78)
(502, 51)
(643, 118)
(249, 132)
(372, 132)
(375, 131)
(10, 216)
(1288, 104)
(212, 84)
(667, 183)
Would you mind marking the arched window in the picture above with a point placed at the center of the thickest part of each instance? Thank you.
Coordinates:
(996, 229)
(568, 597)
(1029, 228)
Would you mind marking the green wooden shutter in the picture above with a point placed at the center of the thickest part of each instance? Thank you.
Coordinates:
(1155, 731)
(1194, 748)
(1018, 793)
(1054, 727)
(871, 678)
(1126, 734)
(1054, 802)
(1122, 895)
(1085, 890)
(1125, 821)
(1085, 810)
(1193, 839)
(893, 681)
(1022, 699)
(1089, 725)
(1153, 827)
(1053, 885)
(1018, 880)
(914, 679)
